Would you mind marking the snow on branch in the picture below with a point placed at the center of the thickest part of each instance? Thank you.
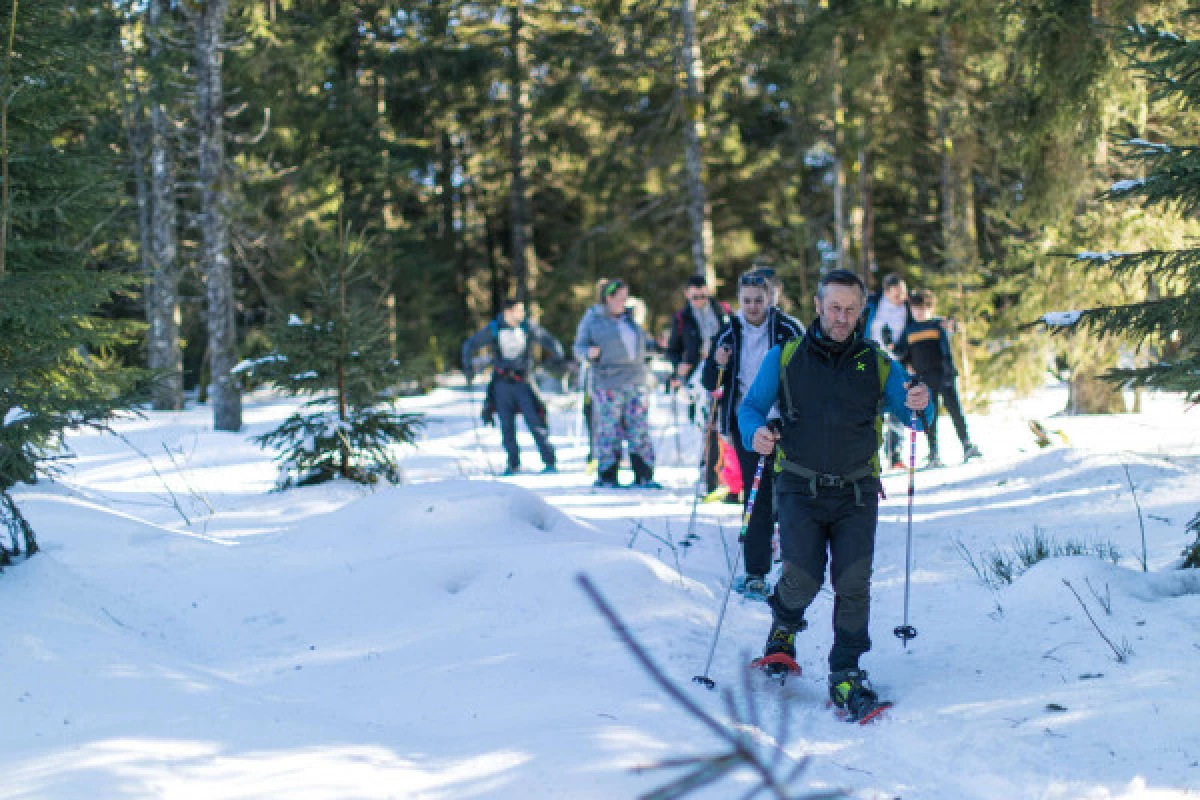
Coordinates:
(1088, 255)
(250, 364)
(1127, 185)
(15, 415)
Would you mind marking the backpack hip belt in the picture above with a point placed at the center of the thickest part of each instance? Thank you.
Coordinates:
(510, 375)
(826, 480)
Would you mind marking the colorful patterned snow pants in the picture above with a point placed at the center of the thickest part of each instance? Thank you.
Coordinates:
(621, 415)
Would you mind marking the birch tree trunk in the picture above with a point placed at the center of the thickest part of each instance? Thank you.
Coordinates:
(699, 213)
(524, 259)
(164, 352)
(224, 391)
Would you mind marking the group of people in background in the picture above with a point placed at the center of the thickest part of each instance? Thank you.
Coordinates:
(810, 400)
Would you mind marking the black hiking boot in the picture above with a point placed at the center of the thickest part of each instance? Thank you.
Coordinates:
(643, 474)
(607, 478)
(849, 690)
(782, 639)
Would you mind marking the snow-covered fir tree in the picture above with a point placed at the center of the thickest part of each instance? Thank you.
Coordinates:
(1167, 323)
(339, 352)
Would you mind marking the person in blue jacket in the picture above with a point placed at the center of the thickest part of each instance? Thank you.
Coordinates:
(830, 388)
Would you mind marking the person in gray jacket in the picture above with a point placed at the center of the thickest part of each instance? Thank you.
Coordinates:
(614, 345)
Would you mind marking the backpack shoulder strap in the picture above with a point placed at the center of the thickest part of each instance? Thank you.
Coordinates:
(785, 358)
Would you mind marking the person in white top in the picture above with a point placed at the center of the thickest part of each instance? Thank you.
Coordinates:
(738, 351)
(888, 315)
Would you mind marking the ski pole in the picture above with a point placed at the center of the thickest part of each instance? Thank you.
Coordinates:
(475, 428)
(905, 632)
(675, 422)
(712, 416)
(703, 679)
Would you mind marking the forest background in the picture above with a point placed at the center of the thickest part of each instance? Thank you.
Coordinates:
(185, 167)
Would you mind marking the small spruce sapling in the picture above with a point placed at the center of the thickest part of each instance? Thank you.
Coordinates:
(338, 352)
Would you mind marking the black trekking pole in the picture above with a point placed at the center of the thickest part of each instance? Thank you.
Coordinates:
(475, 419)
(703, 679)
(675, 422)
(905, 632)
(708, 428)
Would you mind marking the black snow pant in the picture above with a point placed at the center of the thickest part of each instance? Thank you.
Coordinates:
(756, 547)
(513, 397)
(893, 438)
(947, 391)
(838, 527)
(712, 458)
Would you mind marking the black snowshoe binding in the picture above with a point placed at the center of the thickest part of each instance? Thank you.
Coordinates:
(779, 656)
(850, 692)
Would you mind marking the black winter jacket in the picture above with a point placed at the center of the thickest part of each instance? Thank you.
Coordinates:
(686, 344)
(781, 329)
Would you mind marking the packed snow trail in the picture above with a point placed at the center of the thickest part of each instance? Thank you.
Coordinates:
(428, 641)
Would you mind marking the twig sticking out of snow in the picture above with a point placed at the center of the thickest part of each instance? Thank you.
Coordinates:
(1105, 600)
(748, 748)
(1122, 653)
(1141, 522)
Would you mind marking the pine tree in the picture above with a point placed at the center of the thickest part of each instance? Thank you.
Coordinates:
(339, 353)
(57, 368)
(1168, 321)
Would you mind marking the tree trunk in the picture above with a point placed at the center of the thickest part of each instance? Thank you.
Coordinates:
(1089, 394)
(5, 93)
(839, 170)
(524, 259)
(225, 393)
(868, 215)
(699, 213)
(164, 351)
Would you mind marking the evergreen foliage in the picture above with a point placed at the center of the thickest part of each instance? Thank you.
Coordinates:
(1169, 320)
(1191, 553)
(338, 351)
(58, 364)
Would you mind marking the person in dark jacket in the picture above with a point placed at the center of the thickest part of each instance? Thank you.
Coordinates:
(615, 347)
(692, 332)
(829, 387)
(509, 336)
(737, 352)
(924, 348)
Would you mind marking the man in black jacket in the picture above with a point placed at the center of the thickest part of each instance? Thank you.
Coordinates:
(692, 332)
(829, 387)
(739, 348)
(509, 336)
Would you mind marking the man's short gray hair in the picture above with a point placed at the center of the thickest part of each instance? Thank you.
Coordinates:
(840, 277)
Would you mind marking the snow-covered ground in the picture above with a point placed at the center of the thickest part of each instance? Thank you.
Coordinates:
(186, 633)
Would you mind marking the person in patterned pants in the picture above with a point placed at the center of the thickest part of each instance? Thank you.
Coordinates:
(622, 416)
(614, 344)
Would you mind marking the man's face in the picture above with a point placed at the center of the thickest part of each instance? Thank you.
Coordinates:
(697, 296)
(839, 310)
(754, 303)
(516, 315)
(898, 294)
(922, 313)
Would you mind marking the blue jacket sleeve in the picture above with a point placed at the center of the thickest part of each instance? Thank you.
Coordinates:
(756, 405)
(895, 395)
